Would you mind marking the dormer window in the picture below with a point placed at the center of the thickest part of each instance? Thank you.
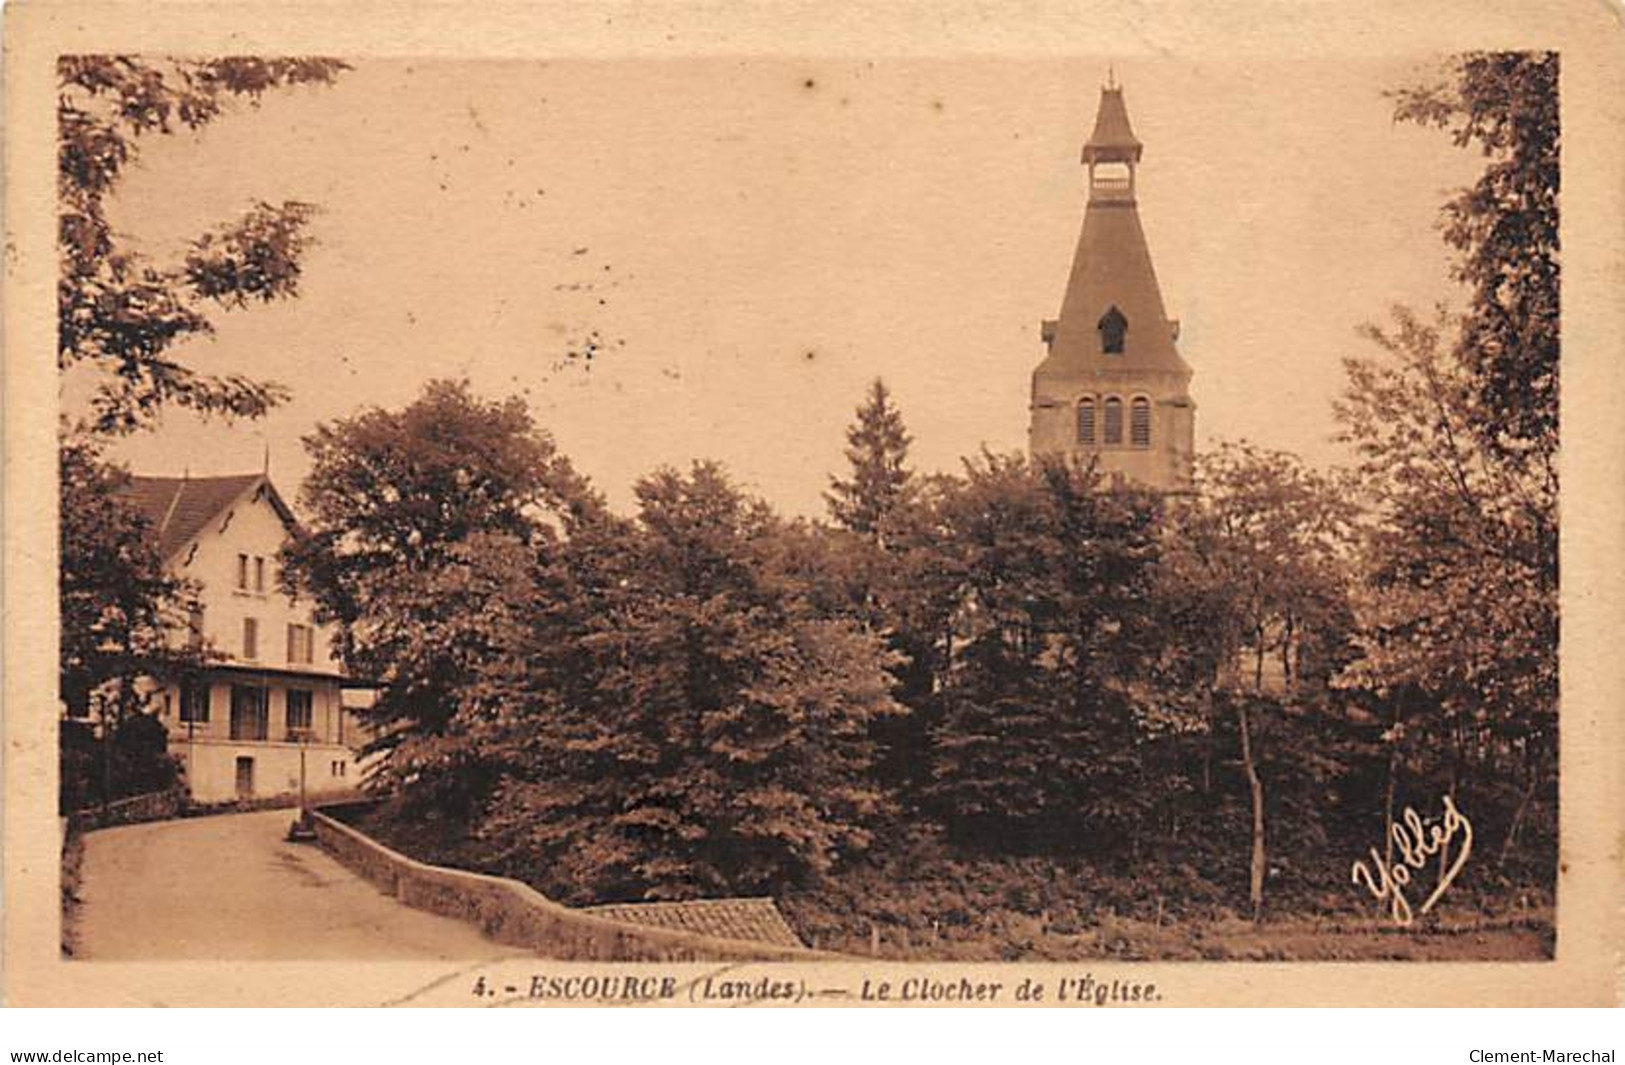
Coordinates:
(1113, 331)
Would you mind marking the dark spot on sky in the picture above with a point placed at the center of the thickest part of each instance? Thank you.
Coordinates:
(936, 105)
(810, 83)
(810, 355)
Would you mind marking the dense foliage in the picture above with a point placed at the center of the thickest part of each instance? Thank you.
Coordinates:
(119, 608)
(121, 316)
(1456, 425)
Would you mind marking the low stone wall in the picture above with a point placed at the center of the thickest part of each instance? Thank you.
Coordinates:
(515, 914)
(153, 806)
(285, 801)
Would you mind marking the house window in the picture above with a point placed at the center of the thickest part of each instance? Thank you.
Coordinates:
(194, 626)
(259, 574)
(299, 710)
(1139, 422)
(251, 638)
(301, 644)
(1086, 420)
(242, 572)
(1114, 421)
(338, 769)
(194, 702)
(1113, 331)
(250, 713)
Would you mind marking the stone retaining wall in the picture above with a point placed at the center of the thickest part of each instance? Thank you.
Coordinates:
(153, 806)
(515, 914)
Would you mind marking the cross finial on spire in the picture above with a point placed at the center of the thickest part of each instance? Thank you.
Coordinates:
(1111, 77)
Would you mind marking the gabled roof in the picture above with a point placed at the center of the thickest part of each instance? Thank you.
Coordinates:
(179, 508)
(1113, 136)
(755, 920)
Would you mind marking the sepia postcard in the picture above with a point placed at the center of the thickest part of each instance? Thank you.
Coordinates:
(1059, 504)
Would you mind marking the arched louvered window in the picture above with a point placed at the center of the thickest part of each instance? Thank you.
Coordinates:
(1139, 422)
(1113, 331)
(1086, 420)
(1114, 421)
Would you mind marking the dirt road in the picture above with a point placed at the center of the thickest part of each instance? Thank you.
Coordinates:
(230, 887)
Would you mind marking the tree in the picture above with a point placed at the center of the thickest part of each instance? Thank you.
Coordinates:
(119, 608)
(1506, 230)
(682, 719)
(880, 482)
(122, 315)
(1051, 579)
(1459, 597)
(418, 521)
(1456, 424)
(1261, 554)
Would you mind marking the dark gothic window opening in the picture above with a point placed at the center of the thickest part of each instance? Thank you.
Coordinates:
(1113, 331)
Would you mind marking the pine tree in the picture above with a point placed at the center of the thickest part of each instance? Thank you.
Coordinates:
(877, 448)
(1035, 745)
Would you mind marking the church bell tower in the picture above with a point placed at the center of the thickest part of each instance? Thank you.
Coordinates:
(1112, 386)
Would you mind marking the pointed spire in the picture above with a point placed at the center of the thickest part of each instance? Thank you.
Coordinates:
(1113, 139)
(1113, 282)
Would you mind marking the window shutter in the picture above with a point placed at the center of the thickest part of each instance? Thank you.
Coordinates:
(1114, 421)
(1086, 420)
(1139, 427)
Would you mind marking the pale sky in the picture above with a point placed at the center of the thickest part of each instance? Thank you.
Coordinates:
(750, 249)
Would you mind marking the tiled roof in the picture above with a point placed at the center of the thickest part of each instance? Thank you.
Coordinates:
(180, 507)
(754, 920)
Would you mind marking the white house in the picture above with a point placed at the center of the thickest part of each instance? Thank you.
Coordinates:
(272, 689)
